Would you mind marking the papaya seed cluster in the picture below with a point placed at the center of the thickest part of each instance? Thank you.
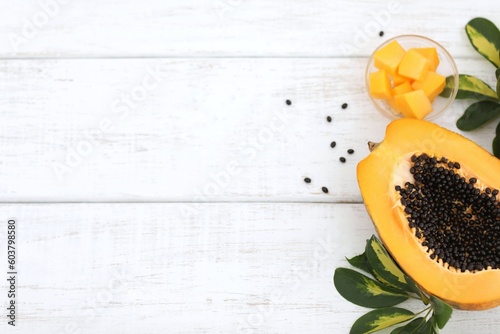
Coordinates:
(451, 216)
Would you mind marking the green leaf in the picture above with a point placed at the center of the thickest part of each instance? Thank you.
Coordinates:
(365, 291)
(498, 87)
(442, 311)
(470, 87)
(496, 146)
(496, 142)
(361, 262)
(428, 328)
(497, 74)
(379, 319)
(485, 38)
(448, 87)
(477, 114)
(417, 290)
(384, 267)
(410, 328)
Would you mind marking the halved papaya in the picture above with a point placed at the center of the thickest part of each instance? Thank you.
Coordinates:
(432, 196)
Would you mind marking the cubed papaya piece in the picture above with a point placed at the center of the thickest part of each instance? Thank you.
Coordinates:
(414, 104)
(431, 55)
(398, 79)
(414, 66)
(380, 85)
(402, 105)
(388, 57)
(405, 87)
(394, 105)
(432, 85)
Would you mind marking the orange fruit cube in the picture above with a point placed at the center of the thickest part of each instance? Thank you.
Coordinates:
(414, 65)
(431, 55)
(432, 85)
(414, 104)
(388, 57)
(380, 85)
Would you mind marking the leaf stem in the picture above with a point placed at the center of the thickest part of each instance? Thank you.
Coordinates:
(429, 309)
(414, 297)
(429, 312)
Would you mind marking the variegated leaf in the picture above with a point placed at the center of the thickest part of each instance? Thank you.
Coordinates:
(413, 327)
(485, 38)
(365, 291)
(384, 266)
(361, 262)
(470, 87)
(379, 319)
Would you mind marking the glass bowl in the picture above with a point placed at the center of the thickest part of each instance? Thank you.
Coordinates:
(447, 68)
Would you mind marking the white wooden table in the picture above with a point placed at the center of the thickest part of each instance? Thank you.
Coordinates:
(155, 171)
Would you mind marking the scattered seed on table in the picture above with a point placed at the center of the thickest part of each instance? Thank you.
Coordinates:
(307, 180)
(344, 105)
(325, 190)
(350, 151)
(342, 159)
(333, 144)
(381, 33)
(288, 102)
(328, 119)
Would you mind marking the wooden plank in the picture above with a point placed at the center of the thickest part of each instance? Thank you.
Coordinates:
(234, 268)
(189, 130)
(196, 28)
